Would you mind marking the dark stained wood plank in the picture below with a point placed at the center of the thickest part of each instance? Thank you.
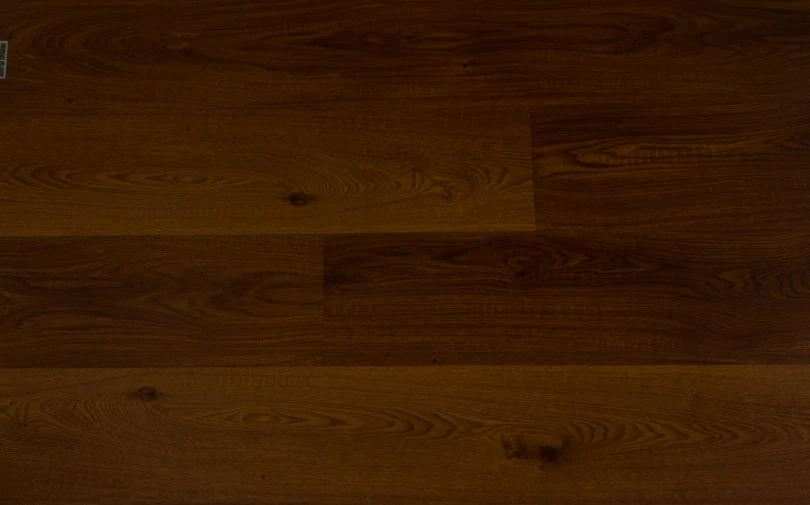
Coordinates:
(321, 169)
(160, 301)
(732, 174)
(544, 299)
(182, 56)
(566, 435)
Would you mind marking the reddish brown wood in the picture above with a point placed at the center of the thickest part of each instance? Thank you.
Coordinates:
(544, 299)
(607, 200)
(184, 56)
(160, 301)
(478, 435)
(318, 169)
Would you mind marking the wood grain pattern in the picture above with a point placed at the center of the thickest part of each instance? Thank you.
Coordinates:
(242, 240)
(305, 170)
(478, 435)
(158, 301)
(541, 299)
(178, 56)
(732, 174)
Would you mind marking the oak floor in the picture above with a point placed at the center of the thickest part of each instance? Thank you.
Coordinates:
(405, 252)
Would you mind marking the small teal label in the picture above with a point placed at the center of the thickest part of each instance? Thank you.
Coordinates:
(3, 55)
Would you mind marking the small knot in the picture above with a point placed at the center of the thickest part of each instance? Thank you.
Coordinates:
(548, 455)
(516, 447)
(147, 394)
(299, 199)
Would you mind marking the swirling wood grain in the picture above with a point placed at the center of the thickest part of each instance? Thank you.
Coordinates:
(151, 301)
(149, 56)
(730, 174)
(476, 435)
(329, 168)
(544, 299)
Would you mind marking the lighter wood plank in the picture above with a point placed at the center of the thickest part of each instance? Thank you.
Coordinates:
(567, 435)
(160, 301)
(334, 168)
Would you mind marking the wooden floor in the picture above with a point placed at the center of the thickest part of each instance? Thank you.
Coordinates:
(405, 252)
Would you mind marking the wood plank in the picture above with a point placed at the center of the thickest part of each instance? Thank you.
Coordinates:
(178, 56)
(731, 174)
(331, 168)
(160, 301)
(544, 299)
(568, 435)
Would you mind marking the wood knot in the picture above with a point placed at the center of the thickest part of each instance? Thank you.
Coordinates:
(299, 199)
(147, 394)
(548, 454)
(523, 267)
(516, 448)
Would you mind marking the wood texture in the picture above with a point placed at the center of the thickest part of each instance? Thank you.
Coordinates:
(541, 299)
(405, 252)
(160, 301)
(181, 56)
(569, 435)
(729, 174)
(287, 171)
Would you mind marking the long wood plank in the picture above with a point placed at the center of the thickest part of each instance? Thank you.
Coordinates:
(305, 170)
(160, 301)
(728, 174)
(545, 299)
(477, 435)
(178, 56)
